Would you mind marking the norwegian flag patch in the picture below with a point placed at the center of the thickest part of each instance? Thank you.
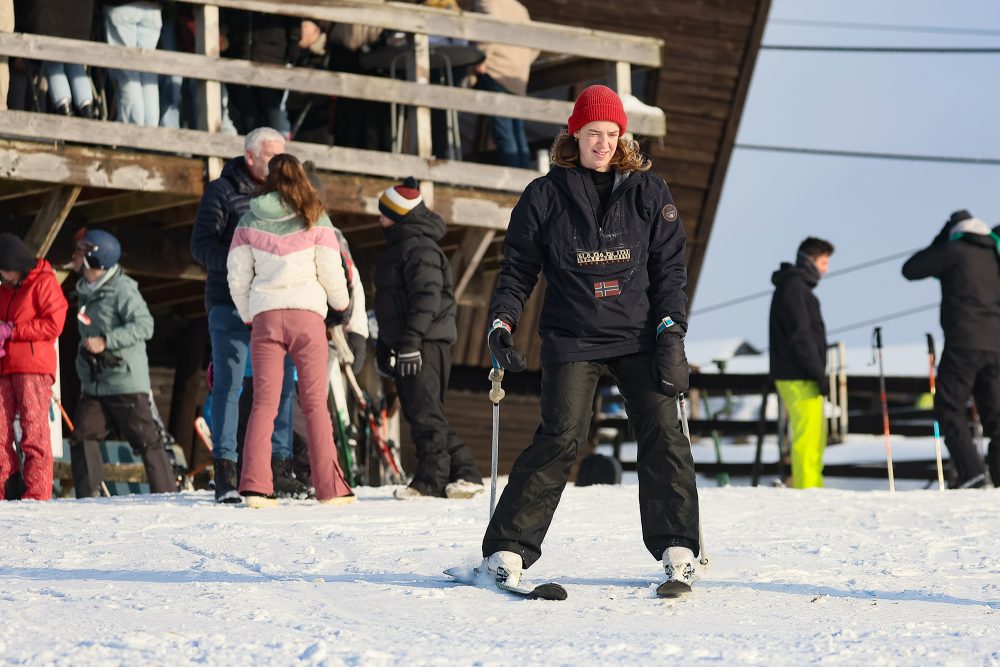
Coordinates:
(607, 288)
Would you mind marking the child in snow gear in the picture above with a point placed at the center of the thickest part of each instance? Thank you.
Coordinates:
(963, 257)
(608, 237)
(32, 315)
(798, 357)
(114, 324)
(224, 203)
(415, 308)
(284, 273)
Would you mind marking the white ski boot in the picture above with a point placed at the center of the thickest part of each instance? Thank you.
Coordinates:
(463, 489)
(504, 567)
(679, 564)
(406, 493)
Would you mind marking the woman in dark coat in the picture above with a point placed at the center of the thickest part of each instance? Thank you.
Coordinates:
(69, 85)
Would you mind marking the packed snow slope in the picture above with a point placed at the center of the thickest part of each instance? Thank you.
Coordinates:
(825, 576)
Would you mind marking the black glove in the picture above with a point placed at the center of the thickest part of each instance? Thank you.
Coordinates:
(671, 364)
(502, 348)
(359, 348)
(383, 359)
(408, 362)
(824, 385)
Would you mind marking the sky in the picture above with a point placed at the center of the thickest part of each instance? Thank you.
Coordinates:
(916, 104)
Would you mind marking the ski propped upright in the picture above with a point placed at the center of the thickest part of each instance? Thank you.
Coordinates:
(548, 591)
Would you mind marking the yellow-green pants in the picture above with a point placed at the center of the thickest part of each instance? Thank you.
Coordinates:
(808, 430)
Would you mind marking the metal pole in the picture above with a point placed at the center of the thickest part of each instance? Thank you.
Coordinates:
(682, 412)
(496, 395)
(885, 408)
(932, 358)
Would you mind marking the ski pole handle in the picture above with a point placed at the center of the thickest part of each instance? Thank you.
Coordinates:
(878, 337)
(930, 346)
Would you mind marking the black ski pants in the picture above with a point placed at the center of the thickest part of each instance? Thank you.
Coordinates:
(962, 373)
(132, 417)
(668, 496)
(441, 456)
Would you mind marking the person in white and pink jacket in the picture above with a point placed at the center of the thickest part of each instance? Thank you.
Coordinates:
(285, 271)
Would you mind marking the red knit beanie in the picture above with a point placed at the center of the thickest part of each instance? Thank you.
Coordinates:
(597, 103)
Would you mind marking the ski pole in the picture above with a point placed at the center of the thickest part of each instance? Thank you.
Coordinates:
(932, 358)
(496, 395)
(877, 340)
(702, 555)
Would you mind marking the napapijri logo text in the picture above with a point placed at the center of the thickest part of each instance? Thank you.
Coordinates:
(587, 257)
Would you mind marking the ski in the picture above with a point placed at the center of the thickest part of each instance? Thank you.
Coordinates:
(547, 591)
(672, 589)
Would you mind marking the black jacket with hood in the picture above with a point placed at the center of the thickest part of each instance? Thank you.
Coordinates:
(969, 271)
(611, 276)
(225, 201)
(414, 297)
(796, 330)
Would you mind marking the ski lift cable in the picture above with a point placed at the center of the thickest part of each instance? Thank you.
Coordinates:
(872, 155)
(886, 27)
(831, 274)
(950, 50)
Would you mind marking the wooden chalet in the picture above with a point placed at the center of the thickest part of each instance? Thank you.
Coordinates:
(690, 61)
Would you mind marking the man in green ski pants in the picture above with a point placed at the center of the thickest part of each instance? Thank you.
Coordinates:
(798, 357)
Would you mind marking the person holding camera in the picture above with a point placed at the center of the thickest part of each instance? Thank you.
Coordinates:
(114, 324)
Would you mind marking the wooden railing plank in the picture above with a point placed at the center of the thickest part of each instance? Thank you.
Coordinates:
(597, 44)
(305, 80)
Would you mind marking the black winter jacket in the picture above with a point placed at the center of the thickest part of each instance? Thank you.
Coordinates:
(56, 18)
(262, 38)
(970, 288)
(225, 201)
(414, 298)
(797, 332)
(610, 279)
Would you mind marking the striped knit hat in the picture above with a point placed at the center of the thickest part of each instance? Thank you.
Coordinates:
(396, 202)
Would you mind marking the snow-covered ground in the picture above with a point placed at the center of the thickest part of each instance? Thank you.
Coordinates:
(825, 576)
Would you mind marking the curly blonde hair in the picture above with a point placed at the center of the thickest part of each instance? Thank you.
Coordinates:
(565, 152)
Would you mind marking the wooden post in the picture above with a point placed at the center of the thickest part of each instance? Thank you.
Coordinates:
(465, 262)
(623, 79)
(49, 220)
(422, 75)
(209, 92)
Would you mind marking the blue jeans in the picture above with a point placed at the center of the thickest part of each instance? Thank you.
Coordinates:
(68, 82)
(230, 351)
(508, 133)
(170, 86)
(136, 24)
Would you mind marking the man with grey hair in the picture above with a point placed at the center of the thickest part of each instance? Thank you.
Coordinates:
(225, 201)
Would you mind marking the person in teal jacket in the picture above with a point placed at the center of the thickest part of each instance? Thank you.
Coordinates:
(114, 324)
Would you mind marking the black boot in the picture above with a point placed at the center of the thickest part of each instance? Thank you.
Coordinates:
(225, 482)
(64, 108)
(87, 110)
(285, 483)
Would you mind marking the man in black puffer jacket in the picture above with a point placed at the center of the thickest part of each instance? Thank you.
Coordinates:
(798, 357)
(415, 308)
(963, 257)
(225, 201)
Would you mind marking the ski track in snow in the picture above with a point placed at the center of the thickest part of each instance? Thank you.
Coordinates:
(825, 576)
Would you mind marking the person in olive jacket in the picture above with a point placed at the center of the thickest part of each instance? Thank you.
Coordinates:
(605, 232)
(415, 308)
(798, 357)
(964, 257)
(114, 324)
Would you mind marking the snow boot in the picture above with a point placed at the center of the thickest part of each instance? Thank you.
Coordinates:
(225, 482)
(338, 501)
(285, 483)
(255, 500)
(406, 493)
(504, 567)
(463, 489)
(679, 566)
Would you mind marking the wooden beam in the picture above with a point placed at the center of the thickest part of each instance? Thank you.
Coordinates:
(306, 80)
(47, 127)
(50, 218)
(16, 190)
(468, 256)
(209, 100)
(132, 204)
(470, 26)
(97, 167)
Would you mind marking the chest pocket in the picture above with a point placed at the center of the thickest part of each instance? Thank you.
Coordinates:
(611, 249)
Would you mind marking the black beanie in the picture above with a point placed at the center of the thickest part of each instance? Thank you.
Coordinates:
(14, 255)
(959, 216)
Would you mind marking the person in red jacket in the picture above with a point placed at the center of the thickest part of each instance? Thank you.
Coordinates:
(32, 315)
